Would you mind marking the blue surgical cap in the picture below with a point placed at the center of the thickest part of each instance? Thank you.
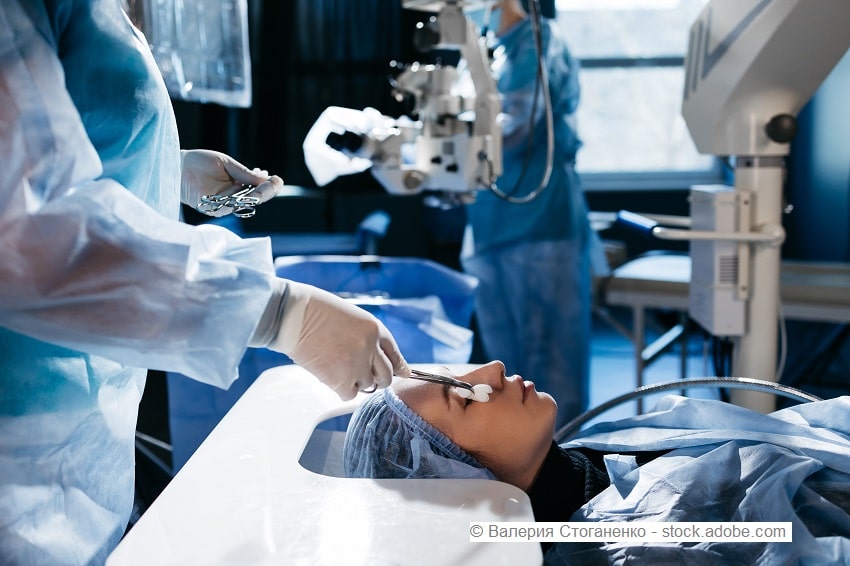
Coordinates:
(386, 439)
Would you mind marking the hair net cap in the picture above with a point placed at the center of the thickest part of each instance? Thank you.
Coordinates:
(386, 439)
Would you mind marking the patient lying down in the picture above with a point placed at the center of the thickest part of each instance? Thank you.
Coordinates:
(689, 460)
(423, 430)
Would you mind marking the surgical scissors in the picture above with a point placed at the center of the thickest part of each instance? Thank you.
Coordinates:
(242, 204)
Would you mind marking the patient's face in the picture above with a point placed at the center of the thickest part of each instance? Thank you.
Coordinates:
(511, 432)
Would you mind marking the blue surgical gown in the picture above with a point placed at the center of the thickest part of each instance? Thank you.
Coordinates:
(532, 260)
(98, 278)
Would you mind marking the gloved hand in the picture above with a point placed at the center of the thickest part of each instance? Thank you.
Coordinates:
(347, 348)
(206, 172)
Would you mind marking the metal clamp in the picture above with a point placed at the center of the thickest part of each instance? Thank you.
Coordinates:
(242, 204)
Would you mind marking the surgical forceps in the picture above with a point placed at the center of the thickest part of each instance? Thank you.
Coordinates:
(437, 378)
(479, 392)
(242, 204)
(432, 377)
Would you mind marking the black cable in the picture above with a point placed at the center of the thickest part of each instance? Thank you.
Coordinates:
(536, 24)
(722, 351)
(847, 225)
(532, 119)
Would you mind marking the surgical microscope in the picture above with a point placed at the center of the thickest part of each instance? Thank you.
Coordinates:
(450, 142)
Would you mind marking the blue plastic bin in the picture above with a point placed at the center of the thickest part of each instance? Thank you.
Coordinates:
(427, 306)
(413, 297)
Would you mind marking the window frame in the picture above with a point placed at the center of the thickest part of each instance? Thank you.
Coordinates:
(599, 181)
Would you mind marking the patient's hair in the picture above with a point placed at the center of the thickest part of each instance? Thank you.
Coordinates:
(386, 439)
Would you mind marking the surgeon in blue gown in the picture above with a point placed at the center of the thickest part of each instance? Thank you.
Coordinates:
(99, 279)
(533, 259)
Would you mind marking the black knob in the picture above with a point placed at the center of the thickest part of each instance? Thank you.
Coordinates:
(346, 141)
(782, 128)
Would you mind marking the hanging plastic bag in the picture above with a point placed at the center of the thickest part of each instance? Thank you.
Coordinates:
(200, 46)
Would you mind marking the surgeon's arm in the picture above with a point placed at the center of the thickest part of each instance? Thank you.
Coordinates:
(87, 265)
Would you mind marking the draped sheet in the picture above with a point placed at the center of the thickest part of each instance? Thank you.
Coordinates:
(726, 463)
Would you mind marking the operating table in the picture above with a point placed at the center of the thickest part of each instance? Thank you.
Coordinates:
(265, 488)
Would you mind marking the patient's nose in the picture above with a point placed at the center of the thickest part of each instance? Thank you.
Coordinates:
(493, 374)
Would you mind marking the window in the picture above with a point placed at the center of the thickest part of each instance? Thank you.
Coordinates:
(632, 54)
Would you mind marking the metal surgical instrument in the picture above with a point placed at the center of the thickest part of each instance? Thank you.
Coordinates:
(436, 378)
(242, 204)
(432, 377)
(479, 392)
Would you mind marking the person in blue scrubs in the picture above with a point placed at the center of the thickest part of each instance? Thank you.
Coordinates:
(533, 306)
(100, 281)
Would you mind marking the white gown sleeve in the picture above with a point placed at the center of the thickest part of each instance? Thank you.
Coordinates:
(87, 265)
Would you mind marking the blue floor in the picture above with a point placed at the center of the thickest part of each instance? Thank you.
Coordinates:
(817, 362)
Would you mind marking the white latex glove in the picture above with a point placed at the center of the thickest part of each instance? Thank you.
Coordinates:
(206, 172)
(347, 348)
